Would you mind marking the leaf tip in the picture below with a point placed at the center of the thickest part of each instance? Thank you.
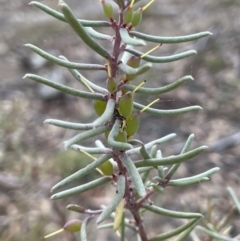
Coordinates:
(53, 197)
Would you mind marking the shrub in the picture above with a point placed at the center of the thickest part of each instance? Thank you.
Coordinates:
(124, 162)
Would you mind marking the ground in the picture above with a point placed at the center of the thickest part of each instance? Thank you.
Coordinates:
(32, 157)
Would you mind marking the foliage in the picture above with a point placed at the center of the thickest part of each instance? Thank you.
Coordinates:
(124, 162)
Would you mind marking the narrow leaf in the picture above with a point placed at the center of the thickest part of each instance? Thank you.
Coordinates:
(112, 135)
(189, 182)
(83, 231)
(64, 88)
(135, 71)
(130, 40)
(170, 213)
(82, 188)
(170, 40)
(61, 17)
(69, 125)
(173, 112)
(144, 169)
(185, 149)
(105, 226)
(234, 198)
(214, 234)
(86, 135)
(67, 64)
(95, 34)
(174, 232)
(144, 153)
(171, 159)
(91, 150)
(120, 191)
(150, 144)
(133, 173)
(81, 173)
(184, 234)
(81, 32)
(193, 179)
(79, 77)
(161, 90)
(165, 59)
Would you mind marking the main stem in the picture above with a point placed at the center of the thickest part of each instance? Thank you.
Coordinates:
(131, 202)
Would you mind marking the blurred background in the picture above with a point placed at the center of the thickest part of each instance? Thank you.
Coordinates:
(32, 157)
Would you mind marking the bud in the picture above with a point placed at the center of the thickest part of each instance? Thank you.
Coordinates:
(133, 62)
(111, 85)
(76, 208)
(99, 106)
(132, 123)
(128, 15)
(121, 137)
(73, 225)
(107, 168)
(137, 17)
(107, 9)
(125, 104)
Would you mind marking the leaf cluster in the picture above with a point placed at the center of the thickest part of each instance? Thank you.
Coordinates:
(123, 161)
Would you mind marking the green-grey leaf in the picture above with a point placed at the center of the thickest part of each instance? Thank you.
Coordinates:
(184, 234)
(154, 151)
(67, 64)
(173, 112)
(86, 135)
(81, 32)
(144, 153)
(174, 232)
(171, 159)
(170, 213)
(150, 144)
(105, 226)
(83, 230)
(185, 149)
(194, 179)
(91, 150)
(214, 234)
(115, 201)
(165, 59)
(135, 71)
(95, 34)
(61, 17)
(77, 76)
(234, 198)
(134, 174)
(112, 135)
(161, 90)
(69, 125)
(64, 88)
(185, 183)
(82, 188)
(169, 40)
(84, 171)
(144, 169)
(130, 40)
